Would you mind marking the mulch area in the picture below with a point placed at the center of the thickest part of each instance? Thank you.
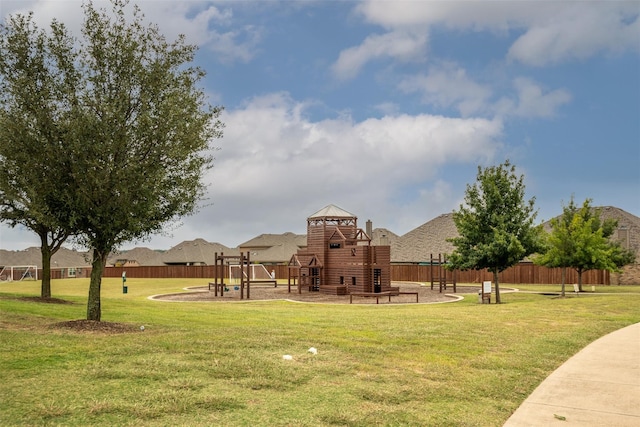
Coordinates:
(263, 292)
(82, 325)
(45, 300)
(96, 327)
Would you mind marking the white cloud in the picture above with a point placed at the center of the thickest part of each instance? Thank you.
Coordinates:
(202, 23)
(532, 100)
(578, 32)
(399, 45)
(553, 32)
(475, 15)
(274, 157)
(388, 108)
(272, 138)
(448, 85)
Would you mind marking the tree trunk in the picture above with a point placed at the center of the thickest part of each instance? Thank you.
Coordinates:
(93, 303)
(564, 277)
(45, 251)
(495, 280)
(580, 280)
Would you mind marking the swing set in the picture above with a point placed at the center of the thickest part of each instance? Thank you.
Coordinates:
(241, 274)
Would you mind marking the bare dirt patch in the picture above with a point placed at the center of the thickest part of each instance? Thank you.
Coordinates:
(45, 300)
(262, 292)
(94, 326)
(83, 326)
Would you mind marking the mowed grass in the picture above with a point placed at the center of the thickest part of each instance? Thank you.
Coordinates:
(197, 364)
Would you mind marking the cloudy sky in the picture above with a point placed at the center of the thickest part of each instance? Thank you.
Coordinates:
(387, 108)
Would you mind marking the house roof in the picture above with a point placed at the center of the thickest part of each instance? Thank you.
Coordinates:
(197, 251)
(269, 240)
(139, 256)
(380, 234)
(332, 211)
(275, 254)
(63, 258)
(274, 247)
(628, 227)
(430, 238)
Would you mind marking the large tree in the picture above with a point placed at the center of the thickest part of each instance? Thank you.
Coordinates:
(34, 122)
(140, 145)
(580, 239)
(495, 223)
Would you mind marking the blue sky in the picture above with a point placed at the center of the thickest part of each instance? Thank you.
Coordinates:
(387, 108)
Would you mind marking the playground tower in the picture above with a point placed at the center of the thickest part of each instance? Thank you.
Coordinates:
(339, 258)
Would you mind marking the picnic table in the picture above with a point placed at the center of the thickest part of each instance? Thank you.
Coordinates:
(377, 295)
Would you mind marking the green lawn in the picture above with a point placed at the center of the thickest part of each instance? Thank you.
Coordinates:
(458, 364)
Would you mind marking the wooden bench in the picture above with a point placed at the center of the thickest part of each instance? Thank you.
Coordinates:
(408, 293)
(274, 282)
(377, 295)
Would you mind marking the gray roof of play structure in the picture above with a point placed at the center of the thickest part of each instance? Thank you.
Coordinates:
(332, 211)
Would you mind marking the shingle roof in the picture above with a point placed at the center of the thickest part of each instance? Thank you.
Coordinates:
(278, 253)
(380, 234)
(274, 247)
(430, 238)
(627, 222)
(33, 256)
(139, 255)
(332, 211)
(197, 251)
(268, 240)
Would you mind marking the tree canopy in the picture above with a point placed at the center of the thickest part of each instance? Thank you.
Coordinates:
(580, 239)
(495, 223)
(34, 121)
(137, 145)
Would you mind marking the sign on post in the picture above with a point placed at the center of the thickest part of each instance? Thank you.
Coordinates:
(486, 292)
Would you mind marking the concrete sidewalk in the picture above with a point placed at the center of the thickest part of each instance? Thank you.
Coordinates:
(599, 386)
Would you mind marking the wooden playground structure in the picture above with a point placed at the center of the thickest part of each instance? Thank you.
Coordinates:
(340, 259)
(440, 275)
(245, 277)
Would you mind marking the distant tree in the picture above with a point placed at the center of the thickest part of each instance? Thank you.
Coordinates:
(560, 243)
(579, 239)
(604, 254)
(34, 122)
(138, 148)
(495, 224)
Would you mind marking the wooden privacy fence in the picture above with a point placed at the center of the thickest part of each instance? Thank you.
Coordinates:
(163, 271)
(523, 273)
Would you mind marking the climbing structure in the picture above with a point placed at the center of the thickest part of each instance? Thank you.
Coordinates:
(440, 275)
(339, 258)
(222, 262)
